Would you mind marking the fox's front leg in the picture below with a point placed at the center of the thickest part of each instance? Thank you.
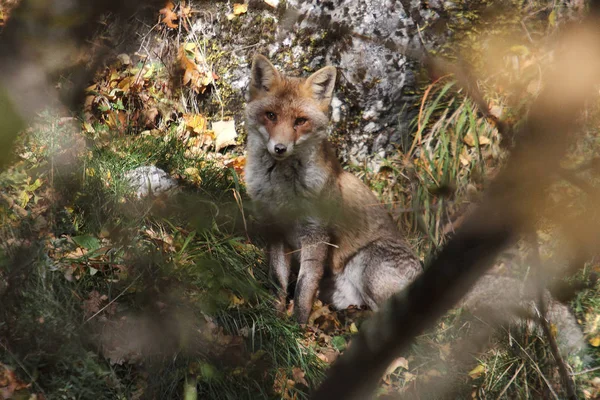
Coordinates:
(280, 266)
(313, 256)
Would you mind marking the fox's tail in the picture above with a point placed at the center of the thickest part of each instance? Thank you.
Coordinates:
(503, 300)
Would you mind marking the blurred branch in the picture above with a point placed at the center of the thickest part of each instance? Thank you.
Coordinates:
(542, 306)
(507, 211)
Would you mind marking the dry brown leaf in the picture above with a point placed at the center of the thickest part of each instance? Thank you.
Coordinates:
(9, 383)
(399, 362)
(151, 117)
(238, 163)
(170, 17)
(194, 75)
(469, 140)
(298, 376)
(328, 355)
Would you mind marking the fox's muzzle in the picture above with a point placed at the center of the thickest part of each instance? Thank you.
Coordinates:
(278, 150)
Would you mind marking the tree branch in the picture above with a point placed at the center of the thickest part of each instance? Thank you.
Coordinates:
(514, 196)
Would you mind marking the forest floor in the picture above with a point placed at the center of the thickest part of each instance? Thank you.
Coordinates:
(107, 295)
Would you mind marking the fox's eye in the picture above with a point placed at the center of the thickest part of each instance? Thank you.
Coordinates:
(300, 121)
(271, 116)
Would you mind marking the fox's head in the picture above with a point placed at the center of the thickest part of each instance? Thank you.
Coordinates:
(288, 114)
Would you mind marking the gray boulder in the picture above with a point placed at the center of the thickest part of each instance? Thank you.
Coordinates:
(150, 180)
(364, 39)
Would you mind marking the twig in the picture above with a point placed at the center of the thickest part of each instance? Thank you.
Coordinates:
(539, 371)
(511, 381)
(543, 321)
(29, 375)
(587, 371)
(113, 300)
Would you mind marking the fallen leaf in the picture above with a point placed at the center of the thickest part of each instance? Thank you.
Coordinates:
(88, 127)
(595, 341)
(87, 242)
(477, 371)
(169, 16)
(194, 175)
(238, 164)
(225, 134)
(195, 74)
(124, 59)
(339, 343)
(151, 117)
(399, 362)
(496, 110)
(195, 122)
(328, 355)
(552, 18)
(238, 9)
(298, 376)
(484, 140)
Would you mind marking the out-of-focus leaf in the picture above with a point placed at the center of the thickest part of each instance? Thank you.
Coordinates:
(87, 242)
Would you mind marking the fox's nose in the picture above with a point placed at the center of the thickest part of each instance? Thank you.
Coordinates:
(280, 148)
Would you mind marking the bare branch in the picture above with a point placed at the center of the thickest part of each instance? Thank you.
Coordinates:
(517, 192)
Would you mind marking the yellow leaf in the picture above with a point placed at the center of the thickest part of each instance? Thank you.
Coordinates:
(553, 330)
(194, 175)
(477, 371)
(552, 18)
(195, 122)
(520, 50)
(190, 46)
(149, 72)
(88, 127)
(469, 140)
(353, 328)
(595, 341)
(24, 198)
(235, 301)
(239, 9)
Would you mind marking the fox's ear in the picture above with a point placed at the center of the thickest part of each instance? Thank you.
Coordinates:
(263, 75)
(321, 84)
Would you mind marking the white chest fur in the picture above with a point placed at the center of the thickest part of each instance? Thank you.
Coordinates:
(279, 185)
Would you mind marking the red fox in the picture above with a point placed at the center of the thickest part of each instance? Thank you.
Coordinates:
(348, 246)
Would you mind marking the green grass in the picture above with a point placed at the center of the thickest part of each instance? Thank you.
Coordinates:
(207, 276)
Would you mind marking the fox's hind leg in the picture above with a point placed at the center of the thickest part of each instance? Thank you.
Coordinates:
(391, 267)
(375, 273)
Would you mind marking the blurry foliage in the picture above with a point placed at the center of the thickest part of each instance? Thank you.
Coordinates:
(82, 262)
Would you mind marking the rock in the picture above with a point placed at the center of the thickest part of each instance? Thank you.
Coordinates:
(148, 180)
(372, 110)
